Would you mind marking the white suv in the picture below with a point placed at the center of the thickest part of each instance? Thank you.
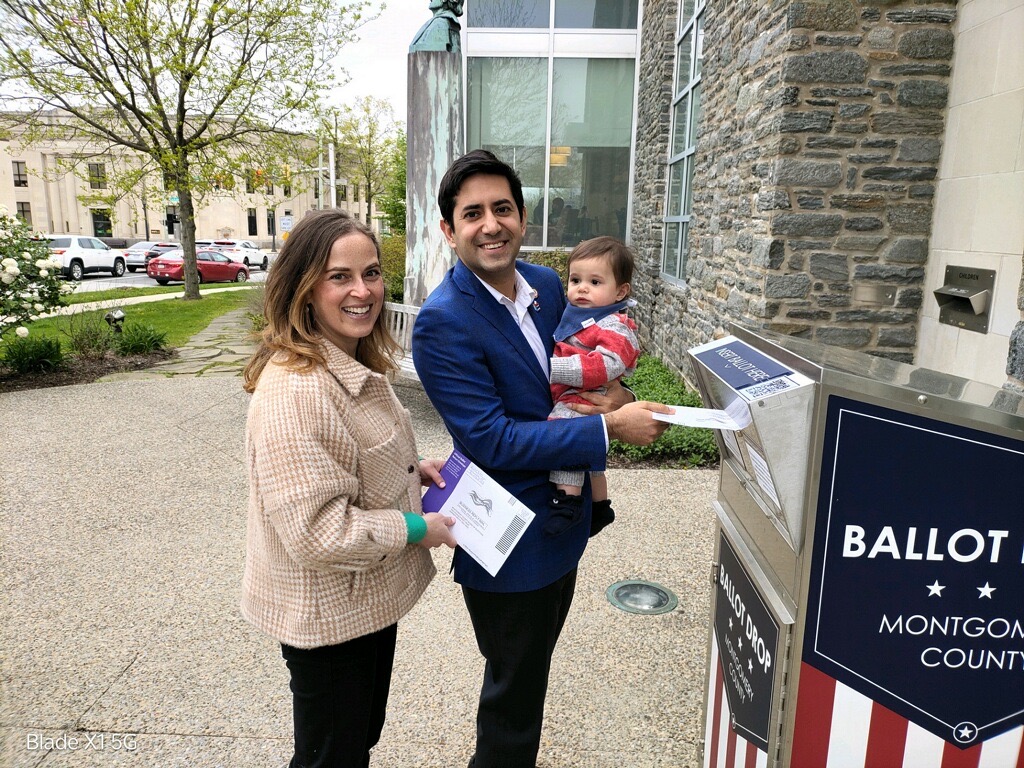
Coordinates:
(79, 254)
(245, 251)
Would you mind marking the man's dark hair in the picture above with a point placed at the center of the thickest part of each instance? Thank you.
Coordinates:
(479, 161)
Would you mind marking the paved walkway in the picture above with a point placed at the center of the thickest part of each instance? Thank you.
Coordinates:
(220, 350)
(122, 543)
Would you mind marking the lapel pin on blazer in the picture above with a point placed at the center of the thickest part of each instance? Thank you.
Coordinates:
(536, 304)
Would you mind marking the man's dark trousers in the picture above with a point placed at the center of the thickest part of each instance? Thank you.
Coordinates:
(516, 633)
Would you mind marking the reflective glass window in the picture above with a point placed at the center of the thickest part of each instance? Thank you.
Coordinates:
(506, 116)
(671, 262)
(513, 14)
(101, 224)
(596, 14)
(681, 115)
(686, 112)
(675, 189)
(684, 51)
(685, 12)
(591, 128)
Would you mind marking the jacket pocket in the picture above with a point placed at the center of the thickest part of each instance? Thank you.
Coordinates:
(384, 474)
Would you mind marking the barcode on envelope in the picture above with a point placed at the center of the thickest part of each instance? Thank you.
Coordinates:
(509, 536)
(768, 387)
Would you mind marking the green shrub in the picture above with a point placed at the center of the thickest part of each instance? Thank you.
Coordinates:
(685, 446)
(393, 263)
(33, 355)
(139, 339)
(254, 310)
(555, 259)
(88, 334)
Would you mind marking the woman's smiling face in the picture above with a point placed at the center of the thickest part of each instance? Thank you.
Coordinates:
(350, 295)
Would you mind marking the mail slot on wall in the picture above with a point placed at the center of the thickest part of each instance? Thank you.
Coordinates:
(966, 297)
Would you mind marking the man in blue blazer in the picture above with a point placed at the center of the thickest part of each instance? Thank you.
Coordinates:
(481, 346)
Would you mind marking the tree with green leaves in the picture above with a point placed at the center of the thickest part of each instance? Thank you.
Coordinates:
(392, 199)
(366, 136)
(179, 92)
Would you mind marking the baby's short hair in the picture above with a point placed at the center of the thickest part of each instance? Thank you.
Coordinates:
(617, 253)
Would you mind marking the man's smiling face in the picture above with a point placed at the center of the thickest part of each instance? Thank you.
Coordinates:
(488, 229)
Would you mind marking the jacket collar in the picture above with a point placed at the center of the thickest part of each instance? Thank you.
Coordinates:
(352, 375)
(498, 316)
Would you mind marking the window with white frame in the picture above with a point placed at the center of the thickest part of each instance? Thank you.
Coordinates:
(686, 110)
(569, 14)
(560, 110)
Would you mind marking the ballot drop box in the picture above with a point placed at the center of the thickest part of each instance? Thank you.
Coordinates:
(868, 583)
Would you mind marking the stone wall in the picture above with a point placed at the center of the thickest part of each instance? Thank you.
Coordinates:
(816, 156)
(653, 122)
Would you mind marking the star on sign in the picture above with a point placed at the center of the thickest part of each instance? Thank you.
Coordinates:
(965, 732)
(730, 625)
(740, 643)
(750, 664)
(986, 591)
(935, 589)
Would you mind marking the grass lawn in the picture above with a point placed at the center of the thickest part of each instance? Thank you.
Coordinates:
(127, 293)
(179, 319)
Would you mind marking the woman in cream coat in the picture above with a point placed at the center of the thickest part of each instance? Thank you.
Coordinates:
(337, 545)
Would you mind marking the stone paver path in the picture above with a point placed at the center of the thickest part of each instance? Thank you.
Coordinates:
(220, 350)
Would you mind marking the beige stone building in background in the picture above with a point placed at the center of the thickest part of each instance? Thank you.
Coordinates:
(33, 186)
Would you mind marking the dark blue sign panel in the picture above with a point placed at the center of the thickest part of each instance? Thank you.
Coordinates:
(739, 365)
(748, 645)
(917, 574)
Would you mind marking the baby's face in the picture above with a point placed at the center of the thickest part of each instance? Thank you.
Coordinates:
(592, 284)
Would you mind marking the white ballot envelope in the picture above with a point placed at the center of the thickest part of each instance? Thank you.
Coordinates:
(489, 521)
(733, 418)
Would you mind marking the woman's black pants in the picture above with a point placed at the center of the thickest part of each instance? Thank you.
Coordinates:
(340, 699)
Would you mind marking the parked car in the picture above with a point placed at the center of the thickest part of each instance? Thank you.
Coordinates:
(213, 266)
(81, 254)
(160, 248)
(245, 251)
(135, 256)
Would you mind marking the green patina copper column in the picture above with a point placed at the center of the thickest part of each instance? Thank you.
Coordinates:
(435, 139)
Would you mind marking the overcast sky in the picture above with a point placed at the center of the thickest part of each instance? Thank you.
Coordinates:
(377, 63)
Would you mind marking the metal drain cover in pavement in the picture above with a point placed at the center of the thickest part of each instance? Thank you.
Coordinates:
(638, 596)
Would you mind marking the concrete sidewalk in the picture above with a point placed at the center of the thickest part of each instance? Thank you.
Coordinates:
(126, 301)
(122, 529)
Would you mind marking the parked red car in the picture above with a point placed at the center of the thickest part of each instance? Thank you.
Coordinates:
(214, 267)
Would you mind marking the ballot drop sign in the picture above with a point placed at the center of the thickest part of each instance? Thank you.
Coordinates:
(916, 593)
(748, 647)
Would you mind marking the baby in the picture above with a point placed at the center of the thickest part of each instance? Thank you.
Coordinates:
(595, 343)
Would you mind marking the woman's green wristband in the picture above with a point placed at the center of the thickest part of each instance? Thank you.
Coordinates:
(416, 527)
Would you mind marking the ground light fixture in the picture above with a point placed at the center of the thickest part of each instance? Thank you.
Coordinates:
(639, 596)
(115, 319)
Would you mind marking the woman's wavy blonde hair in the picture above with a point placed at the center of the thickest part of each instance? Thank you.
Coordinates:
(290, 326)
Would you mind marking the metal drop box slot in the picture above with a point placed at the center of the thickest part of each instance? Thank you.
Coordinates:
(965, 297)
(870, 517)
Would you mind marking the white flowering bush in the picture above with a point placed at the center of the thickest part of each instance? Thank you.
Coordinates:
(30, 283)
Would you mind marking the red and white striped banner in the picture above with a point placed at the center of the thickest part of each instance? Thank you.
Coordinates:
(723, 748)
(837, 727)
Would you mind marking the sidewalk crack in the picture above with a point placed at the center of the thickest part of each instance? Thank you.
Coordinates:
(101, 694)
